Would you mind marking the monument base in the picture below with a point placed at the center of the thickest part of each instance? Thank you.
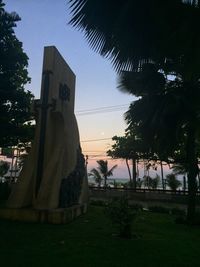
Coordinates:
(55, 216)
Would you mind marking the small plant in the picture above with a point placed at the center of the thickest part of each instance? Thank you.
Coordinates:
(121, 215)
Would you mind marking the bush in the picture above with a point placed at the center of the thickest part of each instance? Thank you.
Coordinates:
(172, 181)
(121, 216)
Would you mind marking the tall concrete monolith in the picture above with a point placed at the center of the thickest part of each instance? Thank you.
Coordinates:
(54, 175)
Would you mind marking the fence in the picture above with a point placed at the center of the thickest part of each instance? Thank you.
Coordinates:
(142, 194)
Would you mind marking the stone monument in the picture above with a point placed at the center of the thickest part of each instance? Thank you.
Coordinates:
(53, 181)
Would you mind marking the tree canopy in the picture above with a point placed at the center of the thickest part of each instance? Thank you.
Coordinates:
(14, 100)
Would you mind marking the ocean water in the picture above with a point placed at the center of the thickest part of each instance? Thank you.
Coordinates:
(112, 181)
(118, 180)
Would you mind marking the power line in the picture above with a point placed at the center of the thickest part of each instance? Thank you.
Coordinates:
(101, 110)
(95, 140)
(92, 151)
(107, 107)
(103, 158)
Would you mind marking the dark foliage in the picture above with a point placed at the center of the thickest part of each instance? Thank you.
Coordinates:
(133, 32)
(70, 188)
(153, 39)
(121, 215)
(4, 166)
(14, 100)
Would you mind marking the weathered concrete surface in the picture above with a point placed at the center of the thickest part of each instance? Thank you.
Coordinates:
(61, 143)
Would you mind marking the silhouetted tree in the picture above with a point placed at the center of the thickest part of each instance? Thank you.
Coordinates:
(165, 34)
(129, 147)
(168, 117)
(14, 100)
(172, 181)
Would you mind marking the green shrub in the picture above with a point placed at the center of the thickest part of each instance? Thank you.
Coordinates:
(121, 216)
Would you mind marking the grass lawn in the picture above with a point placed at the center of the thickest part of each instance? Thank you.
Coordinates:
(90, 241)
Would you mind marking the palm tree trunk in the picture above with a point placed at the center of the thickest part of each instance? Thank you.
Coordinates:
(134, 173)
(105, 181)
(129, 172)
(184, 183)
(192, 172)
(162, 176)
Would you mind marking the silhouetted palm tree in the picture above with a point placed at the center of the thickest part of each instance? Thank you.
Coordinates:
(130, 33)
(96, 175)
(103, 171)
(168, 117)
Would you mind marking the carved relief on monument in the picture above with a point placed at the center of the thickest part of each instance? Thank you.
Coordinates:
(54, 174)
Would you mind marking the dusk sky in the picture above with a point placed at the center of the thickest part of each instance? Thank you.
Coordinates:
(45, 23)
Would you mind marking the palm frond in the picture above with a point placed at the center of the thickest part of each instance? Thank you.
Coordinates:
(130, 32)
(95, 173)
(110, 172)
(148, 81)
